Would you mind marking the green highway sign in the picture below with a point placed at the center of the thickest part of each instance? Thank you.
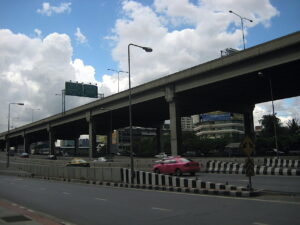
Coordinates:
(74, 89)
(81, 90)
(90, 91)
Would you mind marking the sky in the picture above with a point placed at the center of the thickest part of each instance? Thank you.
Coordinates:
(45, 43)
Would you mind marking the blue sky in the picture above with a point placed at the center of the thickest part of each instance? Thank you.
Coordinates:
(107, 26)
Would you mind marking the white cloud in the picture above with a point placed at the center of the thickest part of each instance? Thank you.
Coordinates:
(285, 110)
(47, 9)
(83, 73)
(79, 36)
(38, 33)
(33, 70)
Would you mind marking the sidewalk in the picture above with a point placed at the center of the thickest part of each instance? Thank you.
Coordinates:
(14, 214)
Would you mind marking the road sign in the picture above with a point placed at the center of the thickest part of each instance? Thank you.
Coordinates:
(74, 89)
(247, 145)
(90, 91)
(81, 90)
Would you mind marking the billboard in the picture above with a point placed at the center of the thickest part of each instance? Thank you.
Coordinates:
(215, 117)
(81, 90)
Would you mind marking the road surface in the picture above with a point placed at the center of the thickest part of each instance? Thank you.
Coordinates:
(91, 204)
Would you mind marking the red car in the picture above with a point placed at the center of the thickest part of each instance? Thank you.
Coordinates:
(176, 165)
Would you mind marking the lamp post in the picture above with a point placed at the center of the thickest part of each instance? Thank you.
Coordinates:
(118, 71)
(146, 49)
(8, 128)
(273, 112)
(63, 101)
(242, 24)
(32, 112)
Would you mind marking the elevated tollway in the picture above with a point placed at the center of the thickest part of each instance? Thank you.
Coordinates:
(230, 83)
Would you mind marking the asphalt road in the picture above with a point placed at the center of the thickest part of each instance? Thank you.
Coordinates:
(89, 204)
(283, 184)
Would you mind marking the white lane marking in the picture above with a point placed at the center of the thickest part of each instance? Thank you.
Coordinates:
(244, 180)
(66, 193)
(101, 199)
(161, 209)
(19, 179)
(258, 223)
(43, 189)
(30, 210)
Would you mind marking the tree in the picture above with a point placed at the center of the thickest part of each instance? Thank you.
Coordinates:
(267, 123)
(293, 126)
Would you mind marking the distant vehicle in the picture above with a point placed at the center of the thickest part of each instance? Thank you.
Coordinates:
(104, 159)
(273, 152)
(161, 155)
(176, 165)
(52, 157)
(78, 162)
(124, 153)
(24, 155)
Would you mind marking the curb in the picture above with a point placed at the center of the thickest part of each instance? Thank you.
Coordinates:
(233, 191)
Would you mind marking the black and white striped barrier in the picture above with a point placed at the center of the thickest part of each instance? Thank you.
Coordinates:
(288, 163)
(148, 180)
(236, 168)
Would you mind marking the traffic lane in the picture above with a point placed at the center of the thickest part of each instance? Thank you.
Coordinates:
(90, 204)
(288, 184)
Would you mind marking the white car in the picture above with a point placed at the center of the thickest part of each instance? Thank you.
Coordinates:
(161, 155)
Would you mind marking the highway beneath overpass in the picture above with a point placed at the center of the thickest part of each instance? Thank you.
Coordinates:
(230, 83)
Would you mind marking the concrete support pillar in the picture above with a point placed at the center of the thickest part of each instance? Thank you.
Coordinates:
(109, 141)
(7, 151)
(249, 123)
(92, 135)
(51, 141)
(26, 144)
(175, 121)
(159, 140)
(76, 145)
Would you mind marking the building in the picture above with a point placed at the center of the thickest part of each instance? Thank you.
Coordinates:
(219, 124)
(186, 124)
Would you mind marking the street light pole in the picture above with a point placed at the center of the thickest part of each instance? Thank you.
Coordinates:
(63, 101)
(130, 111)
(242, 24)
(8, 128)
(32, 113)
(273, 113)
(274, 118)
(118, 71)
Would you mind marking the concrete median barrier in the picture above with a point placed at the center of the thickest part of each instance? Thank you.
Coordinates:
(235, 168)
(155, 181)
